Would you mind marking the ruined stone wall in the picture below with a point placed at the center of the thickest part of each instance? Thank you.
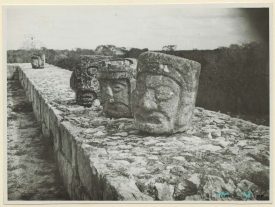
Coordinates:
(109, 159)
(12, 72)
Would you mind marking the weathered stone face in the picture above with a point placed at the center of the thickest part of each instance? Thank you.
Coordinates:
(165, 95)
(38, 61)
(115, 97)
(117, 81)
(35, 62)
(42, 60)
(158, 98)
(84, 80)
(86, 85)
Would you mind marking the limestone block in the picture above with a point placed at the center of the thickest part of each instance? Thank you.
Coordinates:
(29, 95)
(29, 83)
(12, 72)
(66, 171)
(66, 142)
(26, 84)
(29, 92)
(23, 80)
(34, 103)
(55, 119)
(46, 132)
(164, 191)
(89, 177)
(57, 141)
(46, 113)
(165, 95)
(85, 171)
(75, 140)
(20, 74)
(37, 105)
(42, 101)
(78, 190)
(40, 111)
(126, 189)
(104, 187)
(32, 93)
(74, 158)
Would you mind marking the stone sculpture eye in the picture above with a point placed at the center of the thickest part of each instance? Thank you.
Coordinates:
(117, 87)
(92, 71)
(164, 93)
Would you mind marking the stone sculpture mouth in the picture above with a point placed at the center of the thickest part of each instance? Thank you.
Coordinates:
(85, 98)
(87, 95)
(152, 118)
(87, 101)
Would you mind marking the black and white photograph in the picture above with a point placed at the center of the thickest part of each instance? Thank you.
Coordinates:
(140, 103)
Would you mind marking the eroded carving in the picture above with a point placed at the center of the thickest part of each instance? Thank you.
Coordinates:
(84, 79)
(38, 61)
(117, 81)
(165, 95)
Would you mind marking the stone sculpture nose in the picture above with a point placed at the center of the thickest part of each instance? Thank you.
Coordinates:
(148, 101)
(110, 95)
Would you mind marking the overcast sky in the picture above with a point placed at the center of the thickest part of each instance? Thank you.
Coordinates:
(152, 27)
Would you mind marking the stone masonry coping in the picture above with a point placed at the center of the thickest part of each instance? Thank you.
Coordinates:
(109, 159)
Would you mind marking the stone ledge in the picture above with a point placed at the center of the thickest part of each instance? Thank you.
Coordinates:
(109, 159)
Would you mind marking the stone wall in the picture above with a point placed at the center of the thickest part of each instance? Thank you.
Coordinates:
(109, 159)
(12, 72)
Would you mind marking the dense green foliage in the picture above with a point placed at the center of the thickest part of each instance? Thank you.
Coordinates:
(233, 79)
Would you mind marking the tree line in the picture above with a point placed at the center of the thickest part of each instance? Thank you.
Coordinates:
(233, 79)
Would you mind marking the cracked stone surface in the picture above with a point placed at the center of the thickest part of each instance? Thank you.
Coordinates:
(218, 153)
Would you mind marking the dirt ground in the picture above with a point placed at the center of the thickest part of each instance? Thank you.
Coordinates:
(32, 173)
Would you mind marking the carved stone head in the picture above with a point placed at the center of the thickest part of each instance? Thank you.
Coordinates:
(117, 81)
(84, 79)
(165, 94)
(38, 61)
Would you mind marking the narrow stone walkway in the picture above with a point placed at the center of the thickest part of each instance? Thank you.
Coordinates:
(32, 174)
